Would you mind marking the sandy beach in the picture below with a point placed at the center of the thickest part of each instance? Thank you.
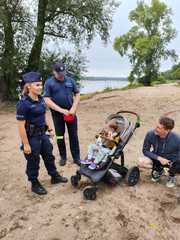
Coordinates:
(147, 211)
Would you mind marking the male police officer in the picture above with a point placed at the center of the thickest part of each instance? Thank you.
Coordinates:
(62, 97)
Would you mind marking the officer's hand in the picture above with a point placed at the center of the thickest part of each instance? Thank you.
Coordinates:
(72, 111)
(65, 112)
(27, 149)
(51, 133)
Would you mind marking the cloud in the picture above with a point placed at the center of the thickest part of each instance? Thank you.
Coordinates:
(104, 61)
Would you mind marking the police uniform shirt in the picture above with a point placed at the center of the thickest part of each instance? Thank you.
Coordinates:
(61, 92)
(33, 112)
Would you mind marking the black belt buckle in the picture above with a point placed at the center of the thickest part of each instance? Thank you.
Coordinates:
(36, 131)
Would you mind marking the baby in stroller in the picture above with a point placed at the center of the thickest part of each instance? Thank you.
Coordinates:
(106, 141)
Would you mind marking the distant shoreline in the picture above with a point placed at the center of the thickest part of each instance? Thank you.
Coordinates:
(104, 78)
(94, 84)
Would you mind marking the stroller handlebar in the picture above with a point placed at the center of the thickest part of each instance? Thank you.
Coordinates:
(133, 113)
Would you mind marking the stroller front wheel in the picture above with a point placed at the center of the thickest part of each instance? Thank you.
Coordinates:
(90, 193)
(133, 176)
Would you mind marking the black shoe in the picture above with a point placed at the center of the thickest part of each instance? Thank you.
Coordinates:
(156, 175)
(78, 162)
(38, 188)
(58, 179)
(62, 162)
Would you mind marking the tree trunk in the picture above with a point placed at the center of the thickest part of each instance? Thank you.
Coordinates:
(8, 77)
(148, 72)
(34, 58)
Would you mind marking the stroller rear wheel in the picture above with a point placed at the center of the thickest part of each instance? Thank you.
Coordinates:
(133, 176)
(78, 175)
(90, 193)
(75, 179)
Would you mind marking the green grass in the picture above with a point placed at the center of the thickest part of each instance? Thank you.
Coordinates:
(7, 106)
(131, 86)
(88, 95)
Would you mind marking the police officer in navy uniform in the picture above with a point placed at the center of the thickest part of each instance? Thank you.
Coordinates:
(62, 97)
(32, 125)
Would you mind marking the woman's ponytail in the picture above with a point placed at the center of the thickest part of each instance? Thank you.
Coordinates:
(25, 90)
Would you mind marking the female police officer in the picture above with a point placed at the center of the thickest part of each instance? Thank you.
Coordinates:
(32, 125)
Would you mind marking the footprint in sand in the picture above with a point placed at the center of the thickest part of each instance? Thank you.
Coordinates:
(3, 233)
(167, 205)
(16, 225)
(121, 218)
(55, 239)
(56, 205)
(175, 220)
(132, 237)
(170, 195)
(19, 215)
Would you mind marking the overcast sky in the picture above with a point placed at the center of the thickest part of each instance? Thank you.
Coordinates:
(104, 61)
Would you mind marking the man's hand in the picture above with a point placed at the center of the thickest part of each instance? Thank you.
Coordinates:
(72, 111)
(164, 161)
(65, 112)
(55, 107)
(27, 149)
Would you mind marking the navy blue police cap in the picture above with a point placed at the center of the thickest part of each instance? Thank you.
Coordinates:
(59, 68)
(32, 77)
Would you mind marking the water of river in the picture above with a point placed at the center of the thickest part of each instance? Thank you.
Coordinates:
(89, 86)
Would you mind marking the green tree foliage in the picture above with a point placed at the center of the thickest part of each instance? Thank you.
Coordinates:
(146, 43)
(25, 32)
(70, 20)
(14, 42)
(75, 63)
(173, 73)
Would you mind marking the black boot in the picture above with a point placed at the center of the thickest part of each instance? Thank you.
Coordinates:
(62, 162)
(38, 188)
(58, 179)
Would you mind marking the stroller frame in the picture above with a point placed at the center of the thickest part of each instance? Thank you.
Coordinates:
(131, 175)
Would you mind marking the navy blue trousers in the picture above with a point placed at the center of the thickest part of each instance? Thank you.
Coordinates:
(40, 145)
(72, 128)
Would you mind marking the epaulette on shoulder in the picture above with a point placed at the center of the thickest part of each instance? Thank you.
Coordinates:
(50, 78)
(23, 98)
(69, 78)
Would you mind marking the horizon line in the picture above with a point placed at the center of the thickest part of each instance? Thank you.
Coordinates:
(105, 76)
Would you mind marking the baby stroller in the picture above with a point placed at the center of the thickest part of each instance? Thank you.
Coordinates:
(111, 171)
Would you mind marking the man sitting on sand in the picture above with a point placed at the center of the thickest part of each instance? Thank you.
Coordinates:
(161, 149)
